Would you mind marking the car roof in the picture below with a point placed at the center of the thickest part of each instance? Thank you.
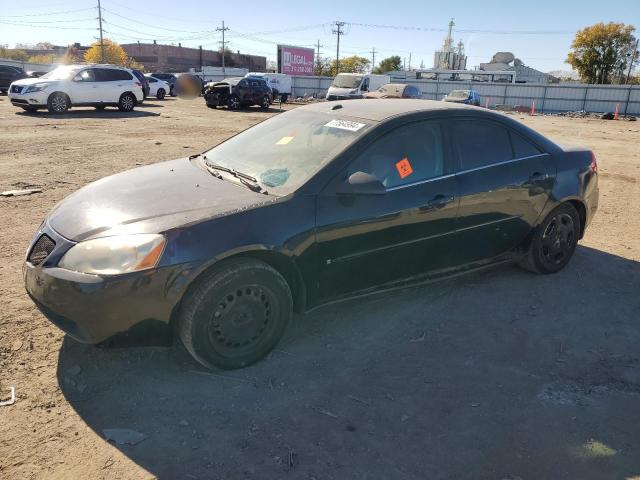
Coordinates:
(385, 109)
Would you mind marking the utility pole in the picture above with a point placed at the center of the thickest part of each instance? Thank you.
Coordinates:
(101, 39)
(409, 61)
(373, 58)
(318, 57)
(224, 45)
(338, 31)
(633, 58)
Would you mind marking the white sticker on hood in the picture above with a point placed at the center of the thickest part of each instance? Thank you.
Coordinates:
(345, 125)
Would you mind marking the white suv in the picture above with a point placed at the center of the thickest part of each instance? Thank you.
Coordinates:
(68, 86)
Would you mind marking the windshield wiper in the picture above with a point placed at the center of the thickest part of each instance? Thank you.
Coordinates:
(245, 179)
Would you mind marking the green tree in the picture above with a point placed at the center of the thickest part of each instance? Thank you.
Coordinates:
(388, 65)
(602, 51)
(353, 64)
(323, 68)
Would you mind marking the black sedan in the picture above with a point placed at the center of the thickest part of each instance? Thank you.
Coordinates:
(317, 204)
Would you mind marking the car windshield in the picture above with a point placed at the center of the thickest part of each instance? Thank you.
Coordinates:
(61, 73)
(459, 94)
(347, 81)
(288, 149)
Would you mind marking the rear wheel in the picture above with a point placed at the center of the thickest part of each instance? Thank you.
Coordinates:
(58, 102)
(234, 102)
(236, 314)
(554, 241)
(160, 94)
(127, 102)
(283, 98)
(265, 103)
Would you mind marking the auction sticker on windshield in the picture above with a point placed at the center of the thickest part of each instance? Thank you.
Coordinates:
(345, 125)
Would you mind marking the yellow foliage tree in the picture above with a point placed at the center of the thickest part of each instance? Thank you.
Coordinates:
(602, 52)
(113, 53)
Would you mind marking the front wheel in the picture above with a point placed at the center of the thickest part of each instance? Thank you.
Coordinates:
(235, 314)
(234, 102)
(58, 102)
(554, 241)
(160, 94)
(127, 102)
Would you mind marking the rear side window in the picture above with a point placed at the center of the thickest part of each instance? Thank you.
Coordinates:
(151, 80)
(408, 154)
(480, 143)
(522, 147)
(111, 75)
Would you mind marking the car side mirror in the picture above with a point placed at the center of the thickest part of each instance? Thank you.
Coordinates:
(361, 183)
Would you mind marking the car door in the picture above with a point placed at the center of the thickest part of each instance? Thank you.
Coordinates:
(503, 181)
(244, 91)
(365, 241)
(83, 88)
(153, 86)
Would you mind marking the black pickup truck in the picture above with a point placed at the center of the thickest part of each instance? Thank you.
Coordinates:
(238, 92)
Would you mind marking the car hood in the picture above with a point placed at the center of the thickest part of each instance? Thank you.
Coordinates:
(23, 82)
(150, 199)
(342, 91)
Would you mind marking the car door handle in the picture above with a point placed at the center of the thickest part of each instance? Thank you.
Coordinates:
(437, 202)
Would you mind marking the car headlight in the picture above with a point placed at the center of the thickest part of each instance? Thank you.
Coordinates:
(114, 255)
(36, 87)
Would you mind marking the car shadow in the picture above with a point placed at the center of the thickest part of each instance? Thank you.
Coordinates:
(85, 113)
(497, 374)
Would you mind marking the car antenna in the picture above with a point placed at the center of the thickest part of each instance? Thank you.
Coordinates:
(336, 107)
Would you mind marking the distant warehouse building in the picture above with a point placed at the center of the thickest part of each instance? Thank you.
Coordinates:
(172, 58)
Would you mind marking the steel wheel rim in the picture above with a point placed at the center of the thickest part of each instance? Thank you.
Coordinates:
(59, 103)
(242, 320)
(558, 239)
(127, 102)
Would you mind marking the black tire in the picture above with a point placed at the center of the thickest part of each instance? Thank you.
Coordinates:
(100, 107)
(283, 98)
(235, 314)
(554, 241)
(160, 94)
(127, 102)
(30, 109)
(172, 91)
(233, 102)
(265, 103)
(58, 102)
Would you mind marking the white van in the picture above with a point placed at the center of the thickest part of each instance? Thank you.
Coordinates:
(354, 85)
(280, 84)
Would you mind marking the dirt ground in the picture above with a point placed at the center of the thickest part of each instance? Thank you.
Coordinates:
(499, 375)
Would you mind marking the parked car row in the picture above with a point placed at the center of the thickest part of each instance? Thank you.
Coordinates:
(68, 86)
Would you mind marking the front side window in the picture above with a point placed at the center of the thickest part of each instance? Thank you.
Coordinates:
(408, 154)
(480, 143)
(85, 76)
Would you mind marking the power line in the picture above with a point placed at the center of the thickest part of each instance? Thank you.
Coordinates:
(462, 30)
(153, 26)
(49, 14)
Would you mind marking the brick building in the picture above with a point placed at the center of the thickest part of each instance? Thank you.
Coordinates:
(172, 58)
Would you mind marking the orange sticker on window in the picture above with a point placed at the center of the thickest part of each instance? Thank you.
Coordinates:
(404, 168)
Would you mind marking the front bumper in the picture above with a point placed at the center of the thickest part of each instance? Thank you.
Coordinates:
(92, 308)
(34, 99)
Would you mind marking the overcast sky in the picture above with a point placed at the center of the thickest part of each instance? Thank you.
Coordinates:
(538, 31)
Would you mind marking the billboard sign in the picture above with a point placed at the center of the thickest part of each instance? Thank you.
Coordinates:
(295, 60)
